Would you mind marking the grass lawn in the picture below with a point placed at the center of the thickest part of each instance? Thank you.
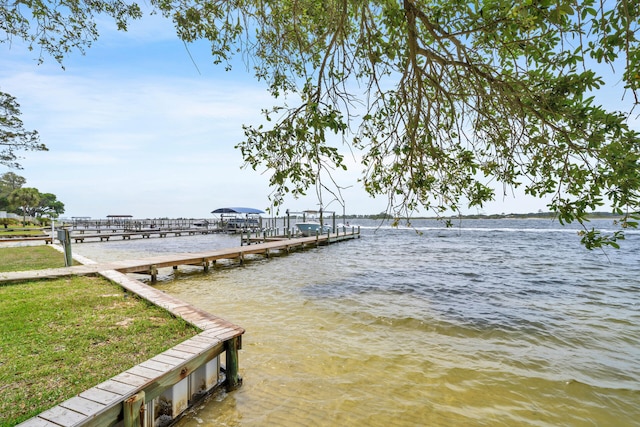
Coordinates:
(30, 258)
(60, 337)
(20, 231)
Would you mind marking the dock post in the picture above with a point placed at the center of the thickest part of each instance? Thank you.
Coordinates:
(231, 348)
(134, 410)
(153, 271)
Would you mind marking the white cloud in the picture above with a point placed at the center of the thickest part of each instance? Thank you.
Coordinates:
(134, 128)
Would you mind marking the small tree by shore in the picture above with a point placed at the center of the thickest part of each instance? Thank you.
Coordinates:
(26, 198)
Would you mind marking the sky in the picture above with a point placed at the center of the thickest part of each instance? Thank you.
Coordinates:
(140, 125)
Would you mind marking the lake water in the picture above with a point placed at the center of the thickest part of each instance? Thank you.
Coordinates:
(492, 323)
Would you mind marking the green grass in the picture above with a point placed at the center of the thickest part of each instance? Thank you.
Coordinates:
(30, 258)
(22, 231)
(61, 337)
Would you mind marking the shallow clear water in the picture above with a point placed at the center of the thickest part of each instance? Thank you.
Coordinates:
(499, 322)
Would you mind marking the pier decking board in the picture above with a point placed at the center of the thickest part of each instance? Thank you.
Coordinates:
(115, 387)
(131, 378)
(166, 359)
(62, 416)
(158, 366)
(38, 422)
(82, 405)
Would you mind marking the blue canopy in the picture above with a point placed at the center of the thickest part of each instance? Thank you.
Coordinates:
(237, 211)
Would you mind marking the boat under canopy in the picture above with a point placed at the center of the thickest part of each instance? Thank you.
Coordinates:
(237, 211)
(239, 219)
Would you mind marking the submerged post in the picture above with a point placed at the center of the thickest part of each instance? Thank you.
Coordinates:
(231, 348)
(153, 271)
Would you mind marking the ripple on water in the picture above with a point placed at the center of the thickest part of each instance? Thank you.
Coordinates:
(500, 324)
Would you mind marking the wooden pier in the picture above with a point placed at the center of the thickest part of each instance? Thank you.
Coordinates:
(171, 382)
(151, 265)
(45, 239)
(159, 390)
(105, 236)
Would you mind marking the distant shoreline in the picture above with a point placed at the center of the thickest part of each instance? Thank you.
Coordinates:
(531, 215)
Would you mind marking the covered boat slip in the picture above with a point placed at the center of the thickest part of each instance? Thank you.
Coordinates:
(225, 220)
(237, 219)
(241, 219)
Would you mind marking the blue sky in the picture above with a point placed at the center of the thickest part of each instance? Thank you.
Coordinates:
(134, 127)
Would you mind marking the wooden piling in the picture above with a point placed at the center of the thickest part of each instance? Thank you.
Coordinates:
(231, 348)
(134, 410)
(153, 271)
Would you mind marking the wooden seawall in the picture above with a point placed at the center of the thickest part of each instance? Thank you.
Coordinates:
(159, 390)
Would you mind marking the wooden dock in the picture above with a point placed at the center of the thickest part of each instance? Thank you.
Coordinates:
(163, 386)
(106, 235)
(178, 377)
(151, 265)
(46, 239)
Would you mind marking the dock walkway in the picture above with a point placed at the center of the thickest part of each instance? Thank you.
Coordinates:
(177, 376)
(81, 236)
(151, 265)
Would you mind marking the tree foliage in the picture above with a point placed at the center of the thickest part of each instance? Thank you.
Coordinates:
(10, 181)
(444, 99)
(14, 197)
(13, 136)
(49, 205)
(25, 198)
(57, 27)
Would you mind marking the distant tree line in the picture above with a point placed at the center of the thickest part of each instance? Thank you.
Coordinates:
(539, 214)
(27, 201)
